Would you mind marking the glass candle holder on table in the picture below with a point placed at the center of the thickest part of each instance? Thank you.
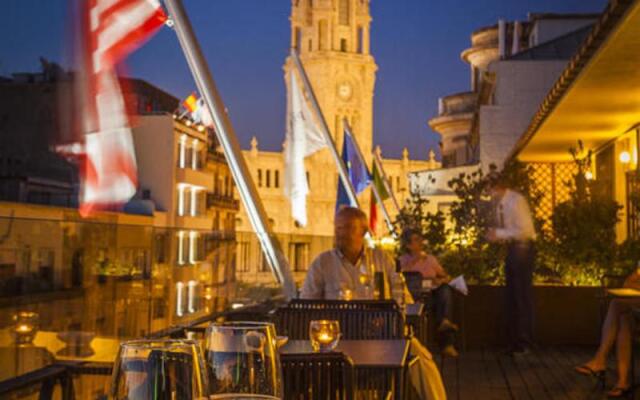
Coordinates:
(324, 335)
(25, 327)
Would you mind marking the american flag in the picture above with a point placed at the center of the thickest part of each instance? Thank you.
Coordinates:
(114, 28)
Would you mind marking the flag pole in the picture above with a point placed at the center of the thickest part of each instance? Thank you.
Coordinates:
(342, 169)
(376, 193)
(227, 137)
(385, 181)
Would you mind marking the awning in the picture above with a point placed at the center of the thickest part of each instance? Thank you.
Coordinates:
(597, 98)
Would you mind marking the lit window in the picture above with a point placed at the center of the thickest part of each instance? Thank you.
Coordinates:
(194, 201)
(194, 158)
(193, 242)
(182, 149)
(191, 296)
(179, 299)
(181, 189)
(181, 248)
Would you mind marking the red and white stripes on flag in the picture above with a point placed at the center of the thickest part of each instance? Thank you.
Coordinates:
(114, 29)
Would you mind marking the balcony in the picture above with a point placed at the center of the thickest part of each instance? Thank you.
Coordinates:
(194, 177)
(459, 103)
(222, 201)
(216, 157)
(455, 115)
(199, 222)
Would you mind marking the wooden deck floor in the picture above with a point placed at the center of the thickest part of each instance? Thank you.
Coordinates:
(546, 373)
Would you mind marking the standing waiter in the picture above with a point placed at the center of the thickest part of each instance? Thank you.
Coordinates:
(515, 228)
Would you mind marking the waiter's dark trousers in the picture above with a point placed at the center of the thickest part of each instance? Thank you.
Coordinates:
(519, 294)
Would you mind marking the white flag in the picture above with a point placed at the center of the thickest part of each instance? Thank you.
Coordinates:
(304, 138)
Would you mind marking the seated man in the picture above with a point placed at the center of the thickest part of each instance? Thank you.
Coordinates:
(340, 270)
(345, 272)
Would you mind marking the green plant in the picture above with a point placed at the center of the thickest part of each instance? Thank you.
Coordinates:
(584, 225)
(415, 215)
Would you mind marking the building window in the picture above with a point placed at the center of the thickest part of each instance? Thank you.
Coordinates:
(343, 12)
(181, 248)
(243, 257)
(297, 38)
(159, 248)
(310, 45)
(180, 299)
(322, 35)
(182, 151)
(308, 181)
(194, 202)
(343, 45)
(216, 186)
(264, 264)
(194, 155)
(397, 183)
(259, 178)
(299, 256)
(195, 247)
(276, 178)
(181, 202)
(360, 45)
(268, 180)
(226, 186)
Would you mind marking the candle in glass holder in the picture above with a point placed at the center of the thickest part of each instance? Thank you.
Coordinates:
(324, 335)
(26, 327)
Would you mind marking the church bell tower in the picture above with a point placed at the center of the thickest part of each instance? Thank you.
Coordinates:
(332, 38)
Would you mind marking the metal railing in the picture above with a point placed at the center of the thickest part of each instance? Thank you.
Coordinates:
(44, 380)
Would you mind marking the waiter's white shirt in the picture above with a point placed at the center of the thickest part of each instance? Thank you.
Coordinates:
(517, 222)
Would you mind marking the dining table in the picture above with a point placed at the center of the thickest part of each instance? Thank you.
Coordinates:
(379, 365)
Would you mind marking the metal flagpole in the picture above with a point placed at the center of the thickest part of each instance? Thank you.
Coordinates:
(376, 193)
(385, 181)
(342, 169)
(226, 135)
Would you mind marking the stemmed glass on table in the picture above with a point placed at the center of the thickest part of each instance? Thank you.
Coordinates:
(240, 362)
(243, 361)
(159, 370)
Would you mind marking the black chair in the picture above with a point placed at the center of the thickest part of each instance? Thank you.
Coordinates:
(359, 319)
(317, 376)
(413, 280)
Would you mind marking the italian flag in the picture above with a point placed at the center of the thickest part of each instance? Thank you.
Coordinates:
(377, 181)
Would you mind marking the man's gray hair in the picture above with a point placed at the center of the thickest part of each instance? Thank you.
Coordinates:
(353, 212)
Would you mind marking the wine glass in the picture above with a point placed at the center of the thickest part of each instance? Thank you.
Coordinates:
(243, 361)
(324, 334)
(159, 370)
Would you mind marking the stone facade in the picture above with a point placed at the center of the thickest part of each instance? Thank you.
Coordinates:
(332, 38)
(511, 73)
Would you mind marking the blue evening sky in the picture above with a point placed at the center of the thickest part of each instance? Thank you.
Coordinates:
(416, 44)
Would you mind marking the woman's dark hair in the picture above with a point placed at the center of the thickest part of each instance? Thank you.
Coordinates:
(405, 238)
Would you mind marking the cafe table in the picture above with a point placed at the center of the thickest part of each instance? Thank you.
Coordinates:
(624, 293)
(379, 364)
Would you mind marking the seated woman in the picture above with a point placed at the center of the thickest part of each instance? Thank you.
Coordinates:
(616, 329)
(414, 258)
